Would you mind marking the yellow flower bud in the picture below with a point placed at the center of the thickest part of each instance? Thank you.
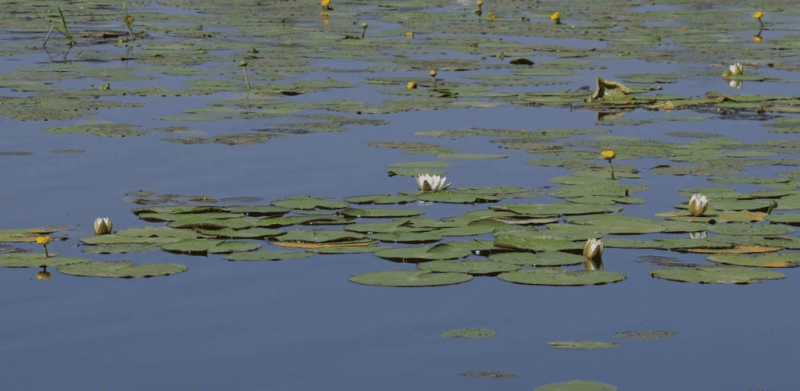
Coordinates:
(411, 85)
(432, 73)
(608, 155)
(555, 16)
(758, 15)
(492, 15)
(44, 240)
(410, 34)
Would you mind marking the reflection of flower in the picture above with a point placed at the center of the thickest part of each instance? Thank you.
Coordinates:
(103, 226)
(427, 182)
(593, 249)
(556, 17)
(737, 84)
(757, 38)
(44, 241)
(698, 204)
(698, 235)
(43, 275)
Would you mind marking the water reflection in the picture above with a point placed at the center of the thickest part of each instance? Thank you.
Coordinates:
(593, 264)
(698, 235)
(757, 37)
(43, 274)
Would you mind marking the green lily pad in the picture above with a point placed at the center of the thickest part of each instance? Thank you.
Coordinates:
(249, 233)
(552, 258)
(380, 212)
(583, 345)
(203, 246)
(770, 260)
(556, 209)
(443, 251)
(618, 224)
(267, 255)
(409, 278)
(101, 129)
(717, 274)
(455, 197)
(122, 269)
(646, 335)
(469, 333)
(24, 235)
(560, 277)
(344, 250)
(319, 236)
(382, 199)
(536, 241)
(308, 202)
(629, 243)
(36, 260)
(122, 248)
(407, 237)
(576, 385)
(468, 266)
(751, 229)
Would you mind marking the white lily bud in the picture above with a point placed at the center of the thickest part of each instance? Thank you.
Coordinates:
(698, 204)
(593, 249)
(103, 226)
(427, 182)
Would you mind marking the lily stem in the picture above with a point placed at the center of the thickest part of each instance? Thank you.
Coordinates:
(46, 254)
(48, 35)
(612, 169)
(246, 79)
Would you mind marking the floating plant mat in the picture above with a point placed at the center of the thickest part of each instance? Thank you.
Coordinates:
(470, 333)
(576, 385)
(122, 269)
(480, 374)
(583, 345)
(717, 274)
(560, 277)
(646, 335)
(409, 278)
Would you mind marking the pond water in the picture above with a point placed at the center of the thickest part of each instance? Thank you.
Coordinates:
(322, 97)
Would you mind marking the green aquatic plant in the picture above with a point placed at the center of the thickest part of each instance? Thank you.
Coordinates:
(128, 19)
(433, 75)
(243, 64)
(44, 241)
(364, 26)
(609, 155)
(64, 30)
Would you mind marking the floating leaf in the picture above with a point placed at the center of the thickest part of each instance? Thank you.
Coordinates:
(308, 202)
(36, 260)
(468, 266)
(470, 333)
(751, 229)
(381, 199)
(409, 278)
(202, 246)
(618, 224)
(267, 255)
(443, 251)
(767, 260)
(717, 274)
(380, 213)
(489, 374)
(122, 269)
(552, 258)
(576, 385)
(646, 335)
(583, 345)
(560, 277)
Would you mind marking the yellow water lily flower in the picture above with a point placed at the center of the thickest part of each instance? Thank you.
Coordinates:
(411, 85)
(432, 73)
(698, 204)
(431, 183)
(325, 4)
(129, 20)
(44, 241)
(410, 34)
(556, 17)
(492, 15)
(479, 3)
(758, 15)
(593, 249)
(608, 155)
(103, 226)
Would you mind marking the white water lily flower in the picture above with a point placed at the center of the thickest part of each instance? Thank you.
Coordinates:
(103, 226)
(698, 235)
(593, 249)
(736, 69)
(698, 204)
(427, 182)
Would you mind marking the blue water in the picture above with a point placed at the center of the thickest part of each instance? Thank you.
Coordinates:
(300, 324)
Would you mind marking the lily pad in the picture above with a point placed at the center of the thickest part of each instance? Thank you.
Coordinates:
(770, 260)
(751, 229)
(646, 335)
(380, 212)
(583, 345)
(36, 260)
(409, 278)
(468, 266)
(122, 269)
(717, 274)
(382, 199)
(469, 333)
(576, 385)
(618, 224)
(560, 277)
(267, 255)
(443, 251)
(308, 202)
(552, 258)
(479, 374)
(210, 246)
